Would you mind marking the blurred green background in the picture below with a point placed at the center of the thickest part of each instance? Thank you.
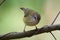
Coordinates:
(11, 17)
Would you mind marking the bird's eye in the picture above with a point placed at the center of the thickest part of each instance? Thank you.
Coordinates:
(34, 16)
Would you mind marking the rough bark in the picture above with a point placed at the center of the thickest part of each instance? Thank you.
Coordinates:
(15, 35)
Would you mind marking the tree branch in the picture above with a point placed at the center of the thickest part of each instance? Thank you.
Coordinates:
(2, 2)
(15, 35)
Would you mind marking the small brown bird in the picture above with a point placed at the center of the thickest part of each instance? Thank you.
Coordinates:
(31, 17)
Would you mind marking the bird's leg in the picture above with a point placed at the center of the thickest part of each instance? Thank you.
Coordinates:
(24, 28)
(36, 27)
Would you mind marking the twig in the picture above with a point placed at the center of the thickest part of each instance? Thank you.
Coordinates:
(53, 23)
(2, 2)
(15, 35)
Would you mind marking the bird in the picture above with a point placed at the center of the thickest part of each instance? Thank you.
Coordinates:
(31, 17)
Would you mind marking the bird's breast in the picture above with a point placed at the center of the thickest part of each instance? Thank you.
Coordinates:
(30, 21)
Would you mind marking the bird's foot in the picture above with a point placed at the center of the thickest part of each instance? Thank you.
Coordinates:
(23, 30)
(36, 28)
